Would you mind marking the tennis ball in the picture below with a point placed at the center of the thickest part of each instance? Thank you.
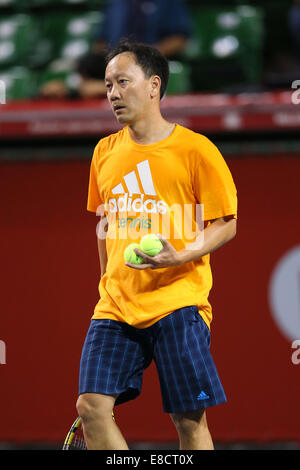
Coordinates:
(151, 245)
(130, 255)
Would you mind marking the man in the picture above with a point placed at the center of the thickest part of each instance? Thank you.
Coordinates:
(140, 178)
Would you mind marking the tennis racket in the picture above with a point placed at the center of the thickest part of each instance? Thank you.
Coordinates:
(75, 438)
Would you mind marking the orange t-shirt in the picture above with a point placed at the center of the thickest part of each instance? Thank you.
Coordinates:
(171, 187)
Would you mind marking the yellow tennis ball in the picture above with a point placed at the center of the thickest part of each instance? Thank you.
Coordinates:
(130, 255)
(151, 245)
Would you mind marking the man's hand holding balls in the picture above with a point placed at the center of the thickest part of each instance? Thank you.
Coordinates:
(154, 252)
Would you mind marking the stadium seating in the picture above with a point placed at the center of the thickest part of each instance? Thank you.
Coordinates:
(179, 79)
(70, 33)
(47, 36)
(18, 35)
(226, 46)
(20, 83)
(31, 4)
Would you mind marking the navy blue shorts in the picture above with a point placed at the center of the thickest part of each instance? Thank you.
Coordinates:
(115, 355)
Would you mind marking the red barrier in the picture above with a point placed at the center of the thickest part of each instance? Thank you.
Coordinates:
(49, 288)
(276, 111)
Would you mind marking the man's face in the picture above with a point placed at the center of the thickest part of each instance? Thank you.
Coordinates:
(128, 90)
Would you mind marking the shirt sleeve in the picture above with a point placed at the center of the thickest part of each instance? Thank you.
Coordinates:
(213, 183)
(94, 199)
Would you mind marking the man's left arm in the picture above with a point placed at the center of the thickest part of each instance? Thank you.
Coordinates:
(215, 235)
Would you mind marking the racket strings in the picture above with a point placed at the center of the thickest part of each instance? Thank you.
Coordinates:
(78, 443)
(75, 438)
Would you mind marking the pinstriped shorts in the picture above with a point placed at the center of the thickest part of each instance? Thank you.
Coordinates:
(115, 355)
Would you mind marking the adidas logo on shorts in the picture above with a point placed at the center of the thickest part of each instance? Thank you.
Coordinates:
(202, 396)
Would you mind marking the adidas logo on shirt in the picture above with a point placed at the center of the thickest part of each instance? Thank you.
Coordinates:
(127, 203)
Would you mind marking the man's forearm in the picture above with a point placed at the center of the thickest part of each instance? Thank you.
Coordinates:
(172, 44)
(102, 255)
(213, 237)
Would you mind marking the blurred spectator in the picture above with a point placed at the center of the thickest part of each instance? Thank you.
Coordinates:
(90, 69)
(164, 24)
(294, 26)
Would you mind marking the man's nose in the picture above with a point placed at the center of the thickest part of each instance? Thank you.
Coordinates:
(114, 93)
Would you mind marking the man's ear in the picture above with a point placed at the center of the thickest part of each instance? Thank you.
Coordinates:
(155, 86)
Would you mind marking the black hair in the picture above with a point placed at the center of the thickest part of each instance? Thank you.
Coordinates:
(92, 65)
(147, 57)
